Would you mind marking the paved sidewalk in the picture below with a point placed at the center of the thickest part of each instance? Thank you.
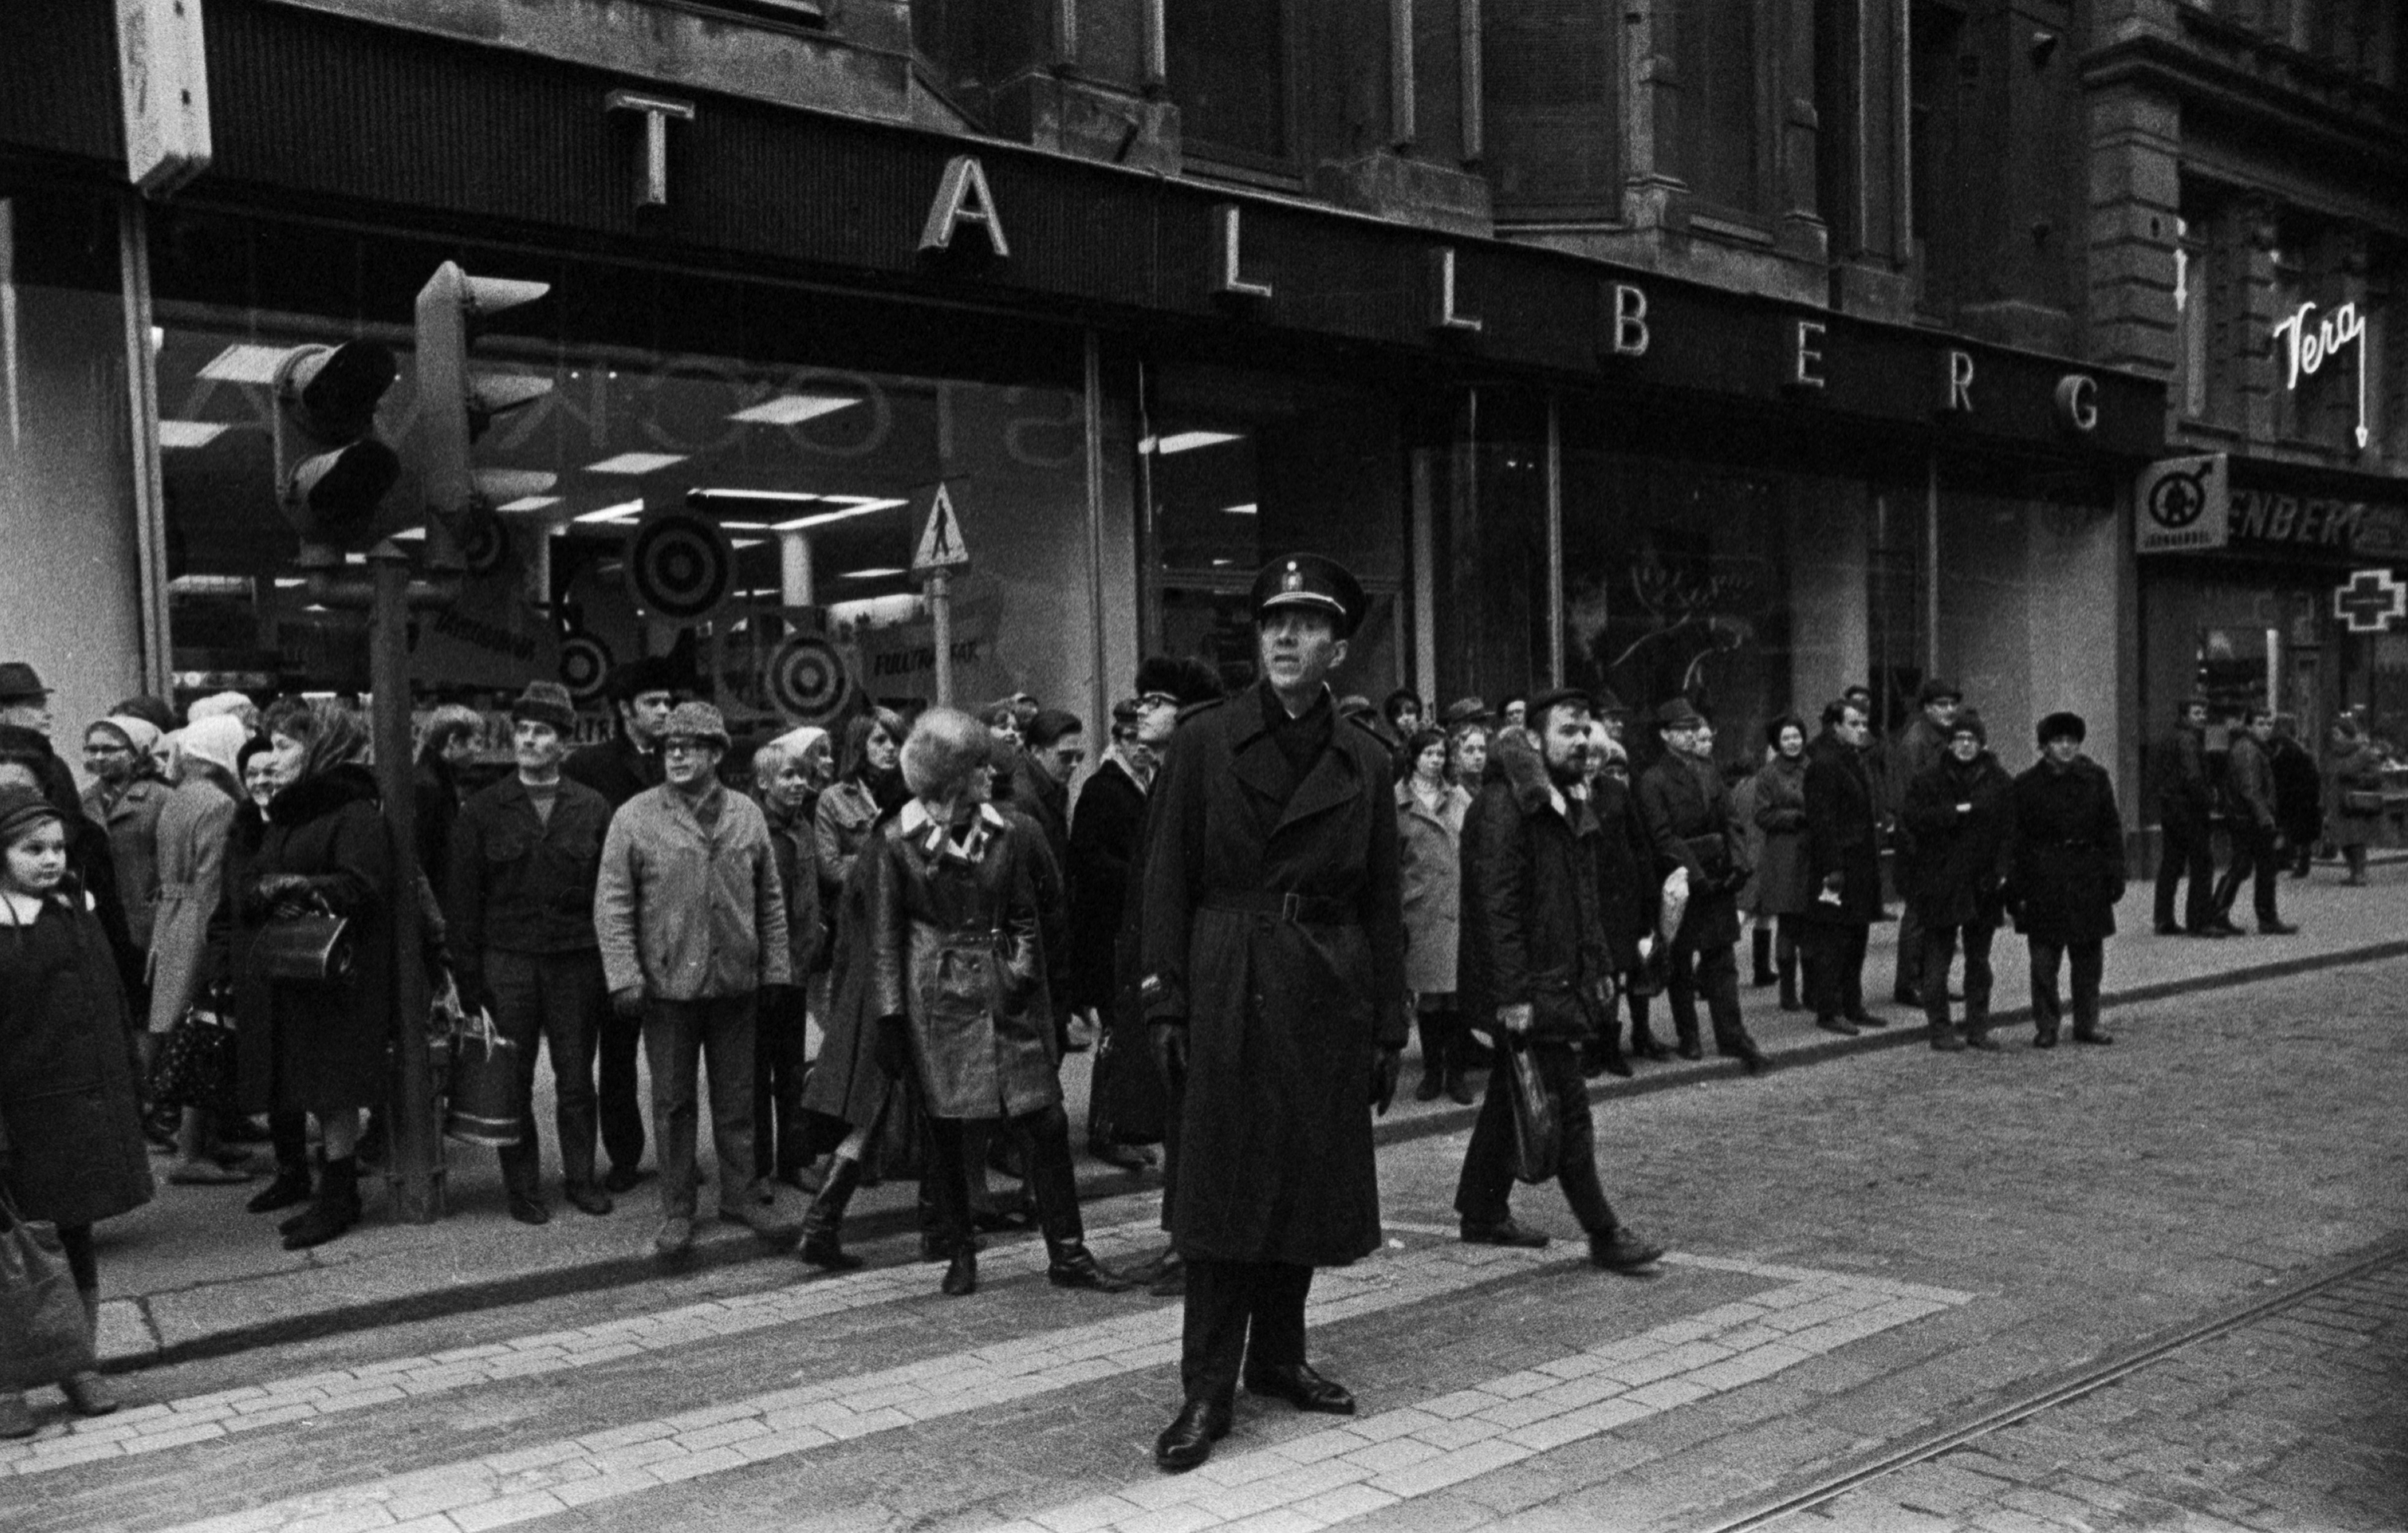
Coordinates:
(193, 1275)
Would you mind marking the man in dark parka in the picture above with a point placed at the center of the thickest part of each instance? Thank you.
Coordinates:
(1956, 811)
(1273, 960)
(2065, 872)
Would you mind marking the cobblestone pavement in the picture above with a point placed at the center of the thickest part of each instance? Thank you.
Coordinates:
(2299, 1420)
(1861, 1252)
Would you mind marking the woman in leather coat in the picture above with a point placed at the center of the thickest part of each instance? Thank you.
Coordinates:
(958, 983)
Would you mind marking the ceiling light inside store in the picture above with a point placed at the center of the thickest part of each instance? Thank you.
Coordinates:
(529, 503)
(289, 583)
(824, 518)
(745, 542)
(244, 364)
(636, 462)
(626, 511)
(175, 433)
(701, 495)
(1249, 508)
(870, 574)
(745, 526)
(792, 410)
(1185, 441)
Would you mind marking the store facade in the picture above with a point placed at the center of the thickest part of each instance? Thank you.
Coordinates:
(1132, 389)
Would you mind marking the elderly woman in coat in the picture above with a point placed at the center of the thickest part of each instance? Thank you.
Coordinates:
(1429, 820)
(71, 1146)
(1784, 894)
(2353, 768)
(318, 1045)
(958, 981)
(193, 828)
(2065, 873)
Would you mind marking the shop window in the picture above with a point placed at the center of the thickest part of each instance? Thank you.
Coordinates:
(817, 457)
(1238, 467)
(1480, 490)
(1229, 70)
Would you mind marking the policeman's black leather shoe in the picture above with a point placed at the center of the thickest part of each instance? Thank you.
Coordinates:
(1188, 1442)
(1302, 1387)
(1617, 1250)
(1505, 1232)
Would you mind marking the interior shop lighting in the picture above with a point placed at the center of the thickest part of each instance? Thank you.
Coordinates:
(175, 433)
(626, 511)
(792, 410)
(1187, 441)
(879, 574)
(1249, 508)
(529, 503)
(802, 523)
(243, 362)
(636, 462)
(745, 526)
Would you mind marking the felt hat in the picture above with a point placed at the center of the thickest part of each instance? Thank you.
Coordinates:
(697, 722)
(546, 702)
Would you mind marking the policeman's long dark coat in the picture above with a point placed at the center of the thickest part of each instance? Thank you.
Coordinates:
(1275, 1160)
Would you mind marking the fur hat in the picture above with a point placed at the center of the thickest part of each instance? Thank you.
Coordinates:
(1969, 723)
(2059, 724)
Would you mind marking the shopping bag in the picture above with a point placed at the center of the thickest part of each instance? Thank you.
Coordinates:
(44, 1335)
(1538, 1134)
(484, 1087)
(196, 1062)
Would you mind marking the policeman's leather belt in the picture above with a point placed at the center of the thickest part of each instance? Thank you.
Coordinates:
(1303, 909)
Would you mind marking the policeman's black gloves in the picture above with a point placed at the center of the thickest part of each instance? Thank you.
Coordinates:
(1169, 1041)
(1388, 1061)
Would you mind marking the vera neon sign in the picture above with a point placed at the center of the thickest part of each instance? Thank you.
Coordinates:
(2308, 346)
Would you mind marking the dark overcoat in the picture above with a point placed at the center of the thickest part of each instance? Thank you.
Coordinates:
(1104, 830)
(614, 768)
(2065, 852)
(1530, 906)
(1283, 1012)
(69, 1119)
(846, 1085)
(1782, 886)
(305, 1046)
(1689, 814)
(1842, 833)
(956, 950)
(1126, 1091)
(2298, 791)
(1629, 885)
(1957, 863)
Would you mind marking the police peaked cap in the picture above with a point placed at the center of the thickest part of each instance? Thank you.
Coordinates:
(1312, 582)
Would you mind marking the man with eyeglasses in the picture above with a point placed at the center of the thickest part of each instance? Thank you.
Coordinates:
(692, 922)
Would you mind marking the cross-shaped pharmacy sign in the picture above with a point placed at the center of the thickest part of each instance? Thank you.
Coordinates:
(2372, 601)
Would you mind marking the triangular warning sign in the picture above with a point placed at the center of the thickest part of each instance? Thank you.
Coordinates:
(941, 541)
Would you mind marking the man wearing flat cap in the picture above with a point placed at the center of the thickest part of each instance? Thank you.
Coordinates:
(1273, 959)
(525, 853)
(1921, 745)
(1688, 813)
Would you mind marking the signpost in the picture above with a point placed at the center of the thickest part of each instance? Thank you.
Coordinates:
(941, 552)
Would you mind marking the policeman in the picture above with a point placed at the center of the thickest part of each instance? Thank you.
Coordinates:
(1274, 953)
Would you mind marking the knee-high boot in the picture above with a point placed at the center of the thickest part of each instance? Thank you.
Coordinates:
(1762, 945)
(336, 1210)
(823, 1220)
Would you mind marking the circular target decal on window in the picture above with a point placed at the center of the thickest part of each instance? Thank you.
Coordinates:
(484, 542)
(680, 567)
(584, 665)
(806, 679)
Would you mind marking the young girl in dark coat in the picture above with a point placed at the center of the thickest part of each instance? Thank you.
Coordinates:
(71, 1146)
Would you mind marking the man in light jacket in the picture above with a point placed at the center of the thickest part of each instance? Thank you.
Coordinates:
(692, 923)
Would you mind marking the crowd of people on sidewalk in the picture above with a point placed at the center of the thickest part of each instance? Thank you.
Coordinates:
(1245, 908)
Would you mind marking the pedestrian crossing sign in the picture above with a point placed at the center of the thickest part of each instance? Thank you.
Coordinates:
(940, 542)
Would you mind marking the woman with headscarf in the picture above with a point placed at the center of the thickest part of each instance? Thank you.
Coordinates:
(125, 799)
(193, 828)
(71, 1149)
(1431, 807)
(786, 778)
(1782, 894)
(308, 1045)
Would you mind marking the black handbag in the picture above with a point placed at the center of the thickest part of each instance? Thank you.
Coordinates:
(1538, 1133)
(196, 1062)
(44, 1335)
(483, 1087)
(317, 947)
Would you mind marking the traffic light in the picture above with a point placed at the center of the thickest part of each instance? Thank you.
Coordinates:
(456, 408)
(332, 473)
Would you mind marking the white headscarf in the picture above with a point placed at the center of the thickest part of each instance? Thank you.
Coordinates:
(216, 738)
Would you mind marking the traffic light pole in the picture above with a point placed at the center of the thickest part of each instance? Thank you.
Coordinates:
(416, 1147)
